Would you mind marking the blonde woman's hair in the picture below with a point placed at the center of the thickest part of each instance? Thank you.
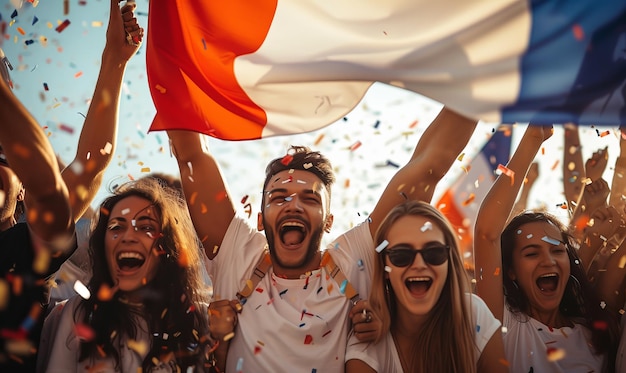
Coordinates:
(447, 342)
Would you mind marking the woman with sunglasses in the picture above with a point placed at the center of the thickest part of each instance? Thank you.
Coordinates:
(530, 276)
(421, 292)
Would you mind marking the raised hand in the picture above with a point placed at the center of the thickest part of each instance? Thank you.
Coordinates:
(594, 167)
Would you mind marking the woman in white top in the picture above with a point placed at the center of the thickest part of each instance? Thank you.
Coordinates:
(529, 274)
(423, 300)
(147, 305)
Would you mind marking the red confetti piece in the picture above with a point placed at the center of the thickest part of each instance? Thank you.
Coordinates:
(84, 332)
(286, 159)
(600, 325)
(66, 128)
(45, 87)
(413, 124)
(257, 350)
(578, 32)
(63, 26)
(221, 196)
(308, 339)
(355, 146)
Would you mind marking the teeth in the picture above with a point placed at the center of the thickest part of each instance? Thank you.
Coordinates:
(130, 255)
(418, 279)
(293, 224)
(547, 275)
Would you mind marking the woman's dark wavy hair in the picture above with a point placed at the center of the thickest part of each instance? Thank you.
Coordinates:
(174, 304)
(579, 301)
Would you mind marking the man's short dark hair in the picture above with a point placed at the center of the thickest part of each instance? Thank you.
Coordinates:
(305, 159)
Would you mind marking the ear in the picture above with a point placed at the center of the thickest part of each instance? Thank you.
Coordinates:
(259, 222)
(22, 193)
(328, 224)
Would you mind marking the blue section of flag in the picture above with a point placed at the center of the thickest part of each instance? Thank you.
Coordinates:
(497, 150)
(575, 67)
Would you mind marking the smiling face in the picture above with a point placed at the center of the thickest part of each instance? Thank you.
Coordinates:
(294, 217)
(132, 229)
(417, 286)
(541, 267)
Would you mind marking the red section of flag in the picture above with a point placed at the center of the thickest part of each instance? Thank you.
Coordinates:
(187, 41)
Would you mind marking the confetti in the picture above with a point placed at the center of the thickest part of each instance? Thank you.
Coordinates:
(81, 289)
(550, 240)
(382, 246)
(84, 332)
(62, 26)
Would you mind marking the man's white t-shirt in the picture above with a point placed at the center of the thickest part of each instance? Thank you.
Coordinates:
(531, 346)
(290, 325)
(383, 356)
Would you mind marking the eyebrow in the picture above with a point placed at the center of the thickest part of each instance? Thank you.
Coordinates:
(141, 218)
(283, 190)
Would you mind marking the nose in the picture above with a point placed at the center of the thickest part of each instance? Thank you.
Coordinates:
(130, 234)
(547, 259)
(293, 203)
(418, 261)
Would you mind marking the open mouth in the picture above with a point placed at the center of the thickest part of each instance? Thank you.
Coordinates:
(418, 286)
(292, 233)
(130, 260)
(548, 282)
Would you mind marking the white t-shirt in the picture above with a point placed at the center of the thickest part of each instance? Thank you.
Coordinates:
(297, 325)
(64, 346)
(383, 356)
(531, 346)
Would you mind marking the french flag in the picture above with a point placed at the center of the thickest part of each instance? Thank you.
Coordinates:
(460, 202)
(243, 70)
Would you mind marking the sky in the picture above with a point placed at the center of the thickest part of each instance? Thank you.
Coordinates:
(365, 146)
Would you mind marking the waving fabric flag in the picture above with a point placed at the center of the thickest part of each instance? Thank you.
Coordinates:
(460, 202)
(241, 70)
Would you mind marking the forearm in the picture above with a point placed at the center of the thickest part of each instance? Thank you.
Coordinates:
(504, 191)
(573, 167)
(618, 184)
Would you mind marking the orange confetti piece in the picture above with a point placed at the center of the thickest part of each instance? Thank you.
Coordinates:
(413, 124)
(554, 166)
(355, 146)
(78, 74)
(21, 31)
(578, 32)
(496, 272)
(319, 139)
(469, 199)
(221, 196)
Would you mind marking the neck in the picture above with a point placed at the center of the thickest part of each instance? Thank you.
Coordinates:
(297, 272)
(553, 319)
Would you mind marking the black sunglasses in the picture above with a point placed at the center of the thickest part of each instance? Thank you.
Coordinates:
(433, 254)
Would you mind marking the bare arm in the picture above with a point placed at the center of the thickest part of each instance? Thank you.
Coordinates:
(208, 200)
(573, 167)
(618, 185)
(529, 181)
(32, 158)
(358, 366)
(96, 144)
(435, 152)
(492, 217)
(492, 357)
